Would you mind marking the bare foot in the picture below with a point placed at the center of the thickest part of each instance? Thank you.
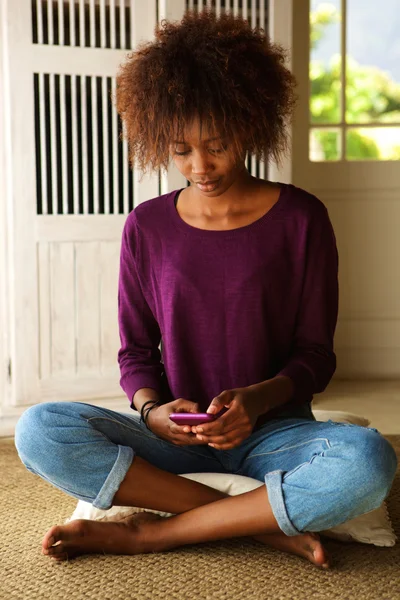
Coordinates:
(83, 536)
(130, 535)
(307, 545)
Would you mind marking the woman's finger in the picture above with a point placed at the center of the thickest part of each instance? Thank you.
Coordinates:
(223, 439)
(187, 439)
(235, 425)
(223, 424)
(227, 446)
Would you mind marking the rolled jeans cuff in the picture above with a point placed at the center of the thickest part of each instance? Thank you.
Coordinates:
(273, 481)
(116, 476)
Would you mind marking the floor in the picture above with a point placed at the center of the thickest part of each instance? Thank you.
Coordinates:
(378, 401)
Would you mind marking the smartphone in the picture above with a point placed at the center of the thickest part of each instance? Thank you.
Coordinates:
(184, 418)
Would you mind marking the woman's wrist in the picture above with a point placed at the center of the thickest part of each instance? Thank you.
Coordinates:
(145, 410)
(150, 415)
(144, 395)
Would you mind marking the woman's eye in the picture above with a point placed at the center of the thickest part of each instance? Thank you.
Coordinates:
(212, 150)
(218, 150)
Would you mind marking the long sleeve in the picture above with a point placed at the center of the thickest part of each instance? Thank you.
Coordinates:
(139, 355)
(313, 362)
(233, 307)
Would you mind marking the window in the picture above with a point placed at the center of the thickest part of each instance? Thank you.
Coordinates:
(354, 103)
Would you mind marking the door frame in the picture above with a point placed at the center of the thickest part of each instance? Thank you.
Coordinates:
(4, 292)
(16, 219)
(280, 20)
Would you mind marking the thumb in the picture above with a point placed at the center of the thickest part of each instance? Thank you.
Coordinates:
(218, 403)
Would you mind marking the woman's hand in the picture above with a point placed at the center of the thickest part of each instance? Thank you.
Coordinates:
(159, 422)
(244, 405)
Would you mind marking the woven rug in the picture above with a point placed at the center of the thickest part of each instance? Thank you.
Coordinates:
(237, 569)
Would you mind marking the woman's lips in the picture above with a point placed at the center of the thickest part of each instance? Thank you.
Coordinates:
(208, 187)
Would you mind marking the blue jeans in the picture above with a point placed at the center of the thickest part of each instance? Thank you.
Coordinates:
(317, 474)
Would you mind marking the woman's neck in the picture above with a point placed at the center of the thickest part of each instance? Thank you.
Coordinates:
(241, 194)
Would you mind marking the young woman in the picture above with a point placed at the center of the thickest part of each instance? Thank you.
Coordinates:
(238, 276)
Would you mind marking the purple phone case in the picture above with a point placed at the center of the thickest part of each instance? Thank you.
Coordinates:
(191, 418)
(195, 418)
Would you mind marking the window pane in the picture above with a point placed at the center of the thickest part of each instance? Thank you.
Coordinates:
(373, 62)
(379, 143)
(325, 144)
(325, 61)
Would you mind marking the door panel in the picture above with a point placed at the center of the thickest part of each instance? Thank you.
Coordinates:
(69, 192)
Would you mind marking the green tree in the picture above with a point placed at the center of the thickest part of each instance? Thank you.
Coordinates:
(371, 94)
(326, 14)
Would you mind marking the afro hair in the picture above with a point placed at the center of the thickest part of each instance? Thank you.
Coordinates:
(217, 69)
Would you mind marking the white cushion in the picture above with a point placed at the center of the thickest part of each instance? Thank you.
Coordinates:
(371, 528)
(340, 417)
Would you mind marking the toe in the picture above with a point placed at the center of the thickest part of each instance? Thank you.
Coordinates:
(52, 550)
(316, 550)
(59, 533)
(60, 557)
(51, 537)
(56, 550)
(57, 553)
(321, 556)
(325, 558)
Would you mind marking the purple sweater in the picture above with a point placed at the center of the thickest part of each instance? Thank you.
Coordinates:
(233, 308)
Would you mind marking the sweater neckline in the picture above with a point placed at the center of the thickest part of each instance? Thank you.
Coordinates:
(187, 229)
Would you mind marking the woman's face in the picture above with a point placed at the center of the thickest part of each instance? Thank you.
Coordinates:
(204, 158)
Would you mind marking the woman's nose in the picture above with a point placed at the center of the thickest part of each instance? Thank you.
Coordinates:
(201, 163)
